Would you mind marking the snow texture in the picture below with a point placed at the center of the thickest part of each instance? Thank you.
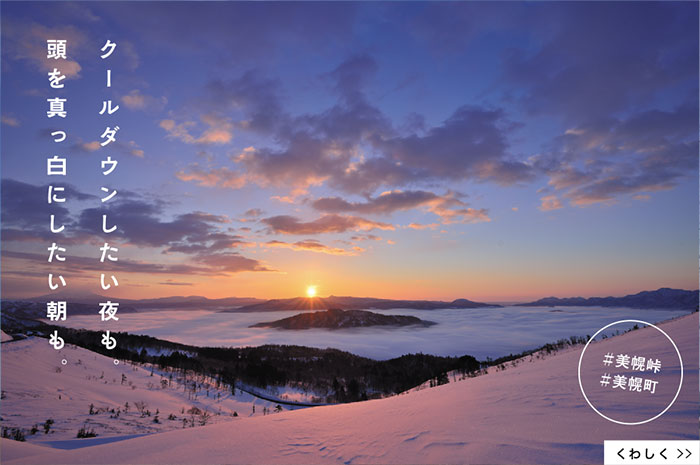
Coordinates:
(532, 412)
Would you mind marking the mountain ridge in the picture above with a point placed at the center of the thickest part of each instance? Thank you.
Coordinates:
(356, 303)
(661, 298)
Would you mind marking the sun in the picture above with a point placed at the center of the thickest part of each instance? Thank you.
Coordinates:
(311, 291)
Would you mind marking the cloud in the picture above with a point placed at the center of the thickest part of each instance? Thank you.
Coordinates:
(615, 143)
(81, 265)
(422, 226)
(25, 209)
(285, 224)
(198, 235)
(127, 148)
(366, 237)
(178, 130)
(449, 207)
(387, 202)
(215, 177)
(26, 41)
(307, 161)
(231, 262)
(218, 130)
(135, 100)
(26, 213)
(330, 147)
(88, 146)
(470, 144)
(351, 76)
(312, 147)
(549, 203)
(646, 152)
(606, 189)
(203, 238)
(252, 94)
(312, 245)
(10, 121)
(254, 213)
(209, 265)
(351, 145)
(212, 242)
(139, 223)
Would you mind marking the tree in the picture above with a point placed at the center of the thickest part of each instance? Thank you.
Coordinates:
(83, 432)
(47, 425)
(354, 390)
(13, 433)
(141, 407)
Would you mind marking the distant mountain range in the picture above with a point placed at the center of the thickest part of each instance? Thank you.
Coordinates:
(192, 301)
(86, 303)
(354, 303)
(339, 319)
(660, 298)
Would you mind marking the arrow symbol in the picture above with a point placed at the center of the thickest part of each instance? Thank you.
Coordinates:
(619, 453)
(681, 453)
(662, 453)
(689, 453)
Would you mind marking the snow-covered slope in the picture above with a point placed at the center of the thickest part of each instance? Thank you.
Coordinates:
(530, 413)
(36, 386)
(4, 337)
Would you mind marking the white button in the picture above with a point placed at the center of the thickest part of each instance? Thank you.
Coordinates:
(652, 452)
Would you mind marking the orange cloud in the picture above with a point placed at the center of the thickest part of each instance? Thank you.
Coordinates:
(218, 130)
(422, 226)
(222, 177)
(312, 245)
(550, 202)
(285, 224)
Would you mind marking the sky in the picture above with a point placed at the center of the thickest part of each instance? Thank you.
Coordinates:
(498, 151)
